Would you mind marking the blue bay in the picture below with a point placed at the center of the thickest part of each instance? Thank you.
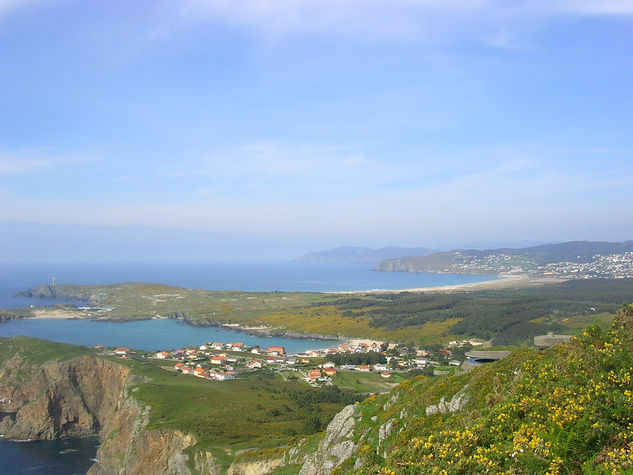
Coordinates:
(149, 335)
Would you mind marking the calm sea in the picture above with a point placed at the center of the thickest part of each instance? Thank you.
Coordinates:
(74, 455)
(56, 457)
(149, 335)
(253, 277)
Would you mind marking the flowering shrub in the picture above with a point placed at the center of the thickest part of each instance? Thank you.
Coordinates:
(565, 410)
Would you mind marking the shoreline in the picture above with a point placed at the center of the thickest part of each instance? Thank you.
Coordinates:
(503, 282)
(260, 331)
(53, 314)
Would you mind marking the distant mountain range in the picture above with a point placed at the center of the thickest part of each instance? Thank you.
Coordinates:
(362, 255)
(561, 258)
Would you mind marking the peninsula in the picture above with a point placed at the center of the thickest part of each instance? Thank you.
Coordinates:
(515, 310)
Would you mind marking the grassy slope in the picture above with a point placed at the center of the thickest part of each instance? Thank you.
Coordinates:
(224, 416)
(327, 319)
(35, 352)
(565, 410)
(231, 415)
(367, 382)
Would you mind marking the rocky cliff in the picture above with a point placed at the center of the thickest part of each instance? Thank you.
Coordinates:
(336, 447)
(7, 315)
(71, 398)
(93, 396)
(62, 292)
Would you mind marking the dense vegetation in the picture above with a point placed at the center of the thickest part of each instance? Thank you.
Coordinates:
(565, 410)
(507, 315)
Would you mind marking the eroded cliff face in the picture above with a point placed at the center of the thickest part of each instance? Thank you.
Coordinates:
(71, 398)
(6, 316)
(336, 447)
(257, 467)
(93, 396)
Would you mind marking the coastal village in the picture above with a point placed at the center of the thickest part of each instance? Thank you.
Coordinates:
(612, 266)
(217, 361)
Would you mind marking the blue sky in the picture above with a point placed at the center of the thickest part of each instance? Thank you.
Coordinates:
(376, 122)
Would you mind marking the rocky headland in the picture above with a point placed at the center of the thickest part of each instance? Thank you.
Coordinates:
(88, 396)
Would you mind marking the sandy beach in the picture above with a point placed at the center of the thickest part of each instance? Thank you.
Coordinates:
(505, 282)
(54, 313)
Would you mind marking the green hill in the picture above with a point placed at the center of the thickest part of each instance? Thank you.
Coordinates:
(565, 410)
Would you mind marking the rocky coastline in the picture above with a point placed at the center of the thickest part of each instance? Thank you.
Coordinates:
(91, 396)
(75, 293)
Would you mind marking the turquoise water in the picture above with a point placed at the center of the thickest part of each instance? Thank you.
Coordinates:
(149, 335)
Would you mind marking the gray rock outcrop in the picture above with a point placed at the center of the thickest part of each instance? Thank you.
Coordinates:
(336, 446)
(457, 403)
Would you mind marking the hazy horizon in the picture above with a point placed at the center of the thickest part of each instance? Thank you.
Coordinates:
(58, 243)
(285, 127)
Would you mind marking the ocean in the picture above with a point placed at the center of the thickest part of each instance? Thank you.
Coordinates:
(246, 276)
(74, 456)
(54, 457)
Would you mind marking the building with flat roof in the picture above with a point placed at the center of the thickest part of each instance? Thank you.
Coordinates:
(549, 340)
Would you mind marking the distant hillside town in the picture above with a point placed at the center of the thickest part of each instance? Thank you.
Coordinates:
(573, 260)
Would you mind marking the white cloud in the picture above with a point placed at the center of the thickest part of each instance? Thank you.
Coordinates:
(589, 7)
(9, 6)
(488, 20)
(379, 16)
(34, 161)
(519, 198)
(274, 168)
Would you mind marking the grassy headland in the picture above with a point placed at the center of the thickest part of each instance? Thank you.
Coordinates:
(508, 315)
